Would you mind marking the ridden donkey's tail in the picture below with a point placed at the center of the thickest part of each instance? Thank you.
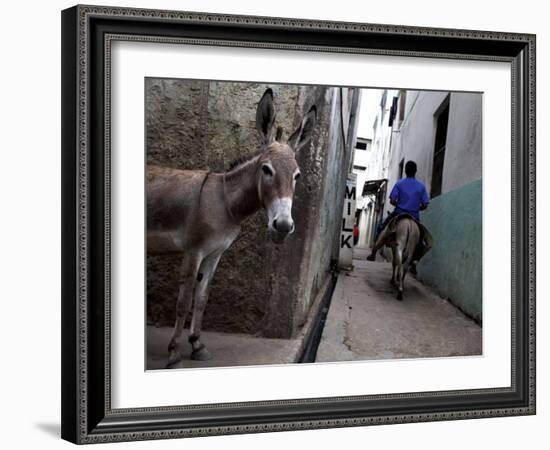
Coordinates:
(407, 236)
(405, 247)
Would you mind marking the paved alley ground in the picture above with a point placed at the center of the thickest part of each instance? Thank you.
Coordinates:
(365, 321)
(226, 349)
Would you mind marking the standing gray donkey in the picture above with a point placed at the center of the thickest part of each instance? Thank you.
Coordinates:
(198, 214)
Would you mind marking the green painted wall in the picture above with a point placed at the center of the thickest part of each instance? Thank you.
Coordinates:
(453, 266)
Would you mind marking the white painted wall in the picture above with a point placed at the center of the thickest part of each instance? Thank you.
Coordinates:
(382, 135)
(379, 160)
(361, 158)
(414, 138)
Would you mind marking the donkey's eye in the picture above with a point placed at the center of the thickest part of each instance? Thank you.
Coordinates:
(297, 175)
(267, 170)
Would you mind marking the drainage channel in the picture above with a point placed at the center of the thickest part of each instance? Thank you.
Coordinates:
(312, 344)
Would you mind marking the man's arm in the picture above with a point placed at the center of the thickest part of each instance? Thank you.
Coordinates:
(394, 195)
(425, 200)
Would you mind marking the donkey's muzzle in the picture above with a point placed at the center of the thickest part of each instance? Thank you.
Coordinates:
(283, 226)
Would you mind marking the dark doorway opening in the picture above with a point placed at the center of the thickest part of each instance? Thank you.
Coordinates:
(439, 150)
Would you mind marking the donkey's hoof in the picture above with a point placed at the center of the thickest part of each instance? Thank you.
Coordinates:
(174, 358)
(399, 295)
(201, 354)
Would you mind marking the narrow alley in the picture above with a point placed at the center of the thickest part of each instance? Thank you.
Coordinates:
(380, 152)
(366, 322)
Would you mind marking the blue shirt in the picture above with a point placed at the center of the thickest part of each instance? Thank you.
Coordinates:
(408, 194)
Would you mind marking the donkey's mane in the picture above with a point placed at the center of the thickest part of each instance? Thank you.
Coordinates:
(246, 158)
(243, 159)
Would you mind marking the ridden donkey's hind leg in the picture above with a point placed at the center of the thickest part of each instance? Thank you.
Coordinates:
(207, 269)
(393, 265)
(398, 256)
(189, 270)
(405, 245)
(404, 270)
(409, 247)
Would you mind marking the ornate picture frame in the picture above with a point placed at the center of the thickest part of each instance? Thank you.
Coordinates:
(87, 35)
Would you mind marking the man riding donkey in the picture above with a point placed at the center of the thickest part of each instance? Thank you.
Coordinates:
(409, 196)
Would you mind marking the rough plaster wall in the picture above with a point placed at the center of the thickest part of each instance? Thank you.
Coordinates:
(289, 261)
(327, 183)
(316, 265)
(174, 136)
(196, 124)
(317, 213)
(240, 291)
(173, 139)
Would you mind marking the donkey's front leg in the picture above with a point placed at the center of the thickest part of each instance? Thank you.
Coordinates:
(206, 271)
(188, 275)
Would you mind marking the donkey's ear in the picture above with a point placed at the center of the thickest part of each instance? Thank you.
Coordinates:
(301, 137)
(265, 116)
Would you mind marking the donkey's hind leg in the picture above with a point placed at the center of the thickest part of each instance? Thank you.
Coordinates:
(206, 271)
(187, 279)
(399, 274)
(404, 271)
(393, 266)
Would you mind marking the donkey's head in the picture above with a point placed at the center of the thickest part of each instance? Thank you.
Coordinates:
(277, 166)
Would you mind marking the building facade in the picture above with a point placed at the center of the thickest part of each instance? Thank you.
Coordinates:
(442, 133)
(374, 191)
(361, 159)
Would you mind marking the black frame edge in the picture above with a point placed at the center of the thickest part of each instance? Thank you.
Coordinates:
(69, 211)
(524, 118)
(249, 416)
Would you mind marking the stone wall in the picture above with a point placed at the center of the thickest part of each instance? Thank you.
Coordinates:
(258, 287)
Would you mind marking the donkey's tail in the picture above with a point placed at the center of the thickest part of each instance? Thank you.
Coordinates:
(407, 238)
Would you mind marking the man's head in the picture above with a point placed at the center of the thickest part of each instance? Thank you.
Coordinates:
(410, 169)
